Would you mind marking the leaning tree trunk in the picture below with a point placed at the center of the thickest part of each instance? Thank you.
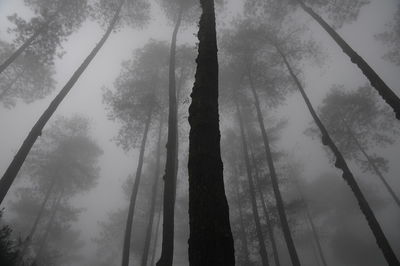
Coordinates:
(135, 189)
(311, 222)
(256, 216)
(29, 238)
(36, 131)
(347, 175)
(243, 234)
(157, 228)
(210, 241)
(387, 93)
(167, 250)
(146, 248)
(43, 241)
(373, 165)
(29, 41)
(274, 180)
(266, 213)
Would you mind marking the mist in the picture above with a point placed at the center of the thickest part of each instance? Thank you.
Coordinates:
(185, 132)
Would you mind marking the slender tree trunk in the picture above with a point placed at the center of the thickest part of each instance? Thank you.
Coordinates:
(373, 165)
(146, 248)
(243, 234)
(36, 131)
(29, 238)
(311, 222)
(266, 212)
(43, 241)
(274, 180)
(135, 189)
(171, 165)
(29, 41)
(260, 237)
(210, 241)
(387, 93)
(157, 229)
(347, 175)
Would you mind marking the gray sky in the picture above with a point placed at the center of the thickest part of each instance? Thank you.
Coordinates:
(86, 98)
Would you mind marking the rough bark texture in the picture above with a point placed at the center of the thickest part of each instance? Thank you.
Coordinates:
(210, 241)
(28, 42)
(146, 248)
(387, 93)
(154, 249)
(36, 131)
(266, 213)
(243, 234)
(135, 189)
(274, 180)
(256, 216)
(171, 166)
(347, 175)
(373, 165)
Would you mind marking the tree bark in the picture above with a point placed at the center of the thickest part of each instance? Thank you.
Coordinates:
(243, 234)
(146, 248)
(373, 165)
(28, 42)
(171, 165)
(256, 216)
(274, 180)
(347, 175)
(210, 241)
(36, 131)
(135, 189)
(154, 250)
(387, 93)
(266, 213)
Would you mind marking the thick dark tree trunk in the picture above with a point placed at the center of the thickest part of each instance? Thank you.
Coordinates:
(36, 131)
(256, 216)
(135, 189)
(347, 175)
(243, 234)
(43, 240)
(157, 229)
(373, 165)
(29, 41)
(29, 238)
(387, 94)
(171, 165)
(266, 212)
(274, 180)
(211, 241)
(153, 203)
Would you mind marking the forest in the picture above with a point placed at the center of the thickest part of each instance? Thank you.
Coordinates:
(199, 132)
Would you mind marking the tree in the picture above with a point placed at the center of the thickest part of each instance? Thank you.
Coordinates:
(13, 169)
(8, 249)
(210, 241)
(357, 123)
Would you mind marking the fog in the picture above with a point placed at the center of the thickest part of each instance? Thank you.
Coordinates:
(102, 158)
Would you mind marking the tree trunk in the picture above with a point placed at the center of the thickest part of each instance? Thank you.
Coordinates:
(260, 237)
(43, 241)
(171, 165)
(146, 248)
(210, 241)
(373, 165)
(157, 229)
(266, 212)
(274, 180)
(387, 94)
(28, 42)
(135, 189)
(347, 175)
(15, 166)
(29, 238)
(243, 234)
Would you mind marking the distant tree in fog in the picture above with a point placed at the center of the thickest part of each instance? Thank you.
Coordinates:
(358, 123)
